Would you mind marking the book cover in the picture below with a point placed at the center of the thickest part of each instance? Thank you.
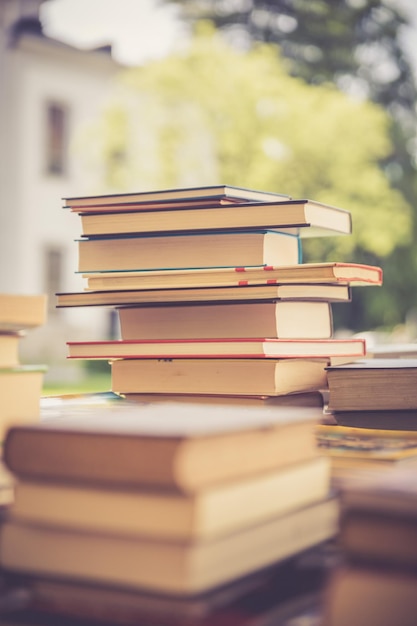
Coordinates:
(303, 217)
(239, 348)
(180, 251)
(284, 319)
(135, 445)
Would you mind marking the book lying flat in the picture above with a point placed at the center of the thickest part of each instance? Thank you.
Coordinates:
(242, 293)
(388, 419)
(9, 348)
(271, 595)
(159, 514)
(373, 385)
(366, 443)
(164, 566)
(180, 194)
(178, 251)
(170, 446)
(230, 377)
(21, 311)
(20, 391)
(304, 273)
(304, 217)
(291, 319)
(239, 348)
(370, 596)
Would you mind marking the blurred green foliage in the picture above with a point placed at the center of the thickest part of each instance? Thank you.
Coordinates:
(213, 114)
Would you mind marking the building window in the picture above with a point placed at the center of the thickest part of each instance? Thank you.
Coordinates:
(56, 138)
(53, 259)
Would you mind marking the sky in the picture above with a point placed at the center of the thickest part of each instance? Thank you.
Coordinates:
(139, 30)
(142, 30)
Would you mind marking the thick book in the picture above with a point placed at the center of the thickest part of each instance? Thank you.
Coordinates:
(304, 217)
(222, 348)
(378, 522)
(291, 319)
(178, 568)
(199, 250)
(171, 446)
(159, 514)
(230, 377)
(390, 419)
(9, 348)
(19, 312)
(196, 194)
(373, 385)
(318, 274)
(20, 392)
(273, 595)
(370, 596)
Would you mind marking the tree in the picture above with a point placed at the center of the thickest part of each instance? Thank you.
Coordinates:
(214, 114)
(356, 45)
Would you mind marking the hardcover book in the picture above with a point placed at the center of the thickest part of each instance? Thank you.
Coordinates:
(128, 445)
(199, 250)
(241, 293)
(225, 348)
(317, 274)
(304, 217)
(196, 194)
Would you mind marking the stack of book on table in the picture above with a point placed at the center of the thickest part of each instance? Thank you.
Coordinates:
(162, 513)
(376, 585)
(208, 471)
(20, 384)
(374, 406)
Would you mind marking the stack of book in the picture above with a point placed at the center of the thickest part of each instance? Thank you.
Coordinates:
(211, 293)
(20, 385)
(373, 403)
(170, 517)
(376, 586)
(202, 479)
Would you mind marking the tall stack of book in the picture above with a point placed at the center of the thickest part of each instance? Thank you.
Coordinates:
(207, 478)
(20, 384)
(211, 293)
(376, 586)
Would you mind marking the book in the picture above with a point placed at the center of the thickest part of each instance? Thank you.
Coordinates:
(155, 205)
(205, 514)
(242, 293)
(230, 377)
(9, 348)
(365, 442)
(306, 398)
(317, 274)
(19, 312)
(367, 596)
(196, 194)
(273, 594)
(378, 522)
(291, 319)
(123, 444)
(178, 568)
(305, 218)
(394, 419)
(20, 391)
(178, 251)
(224, 348)
(373, 384)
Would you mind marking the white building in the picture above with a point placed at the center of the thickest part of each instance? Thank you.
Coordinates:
(49, 94)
